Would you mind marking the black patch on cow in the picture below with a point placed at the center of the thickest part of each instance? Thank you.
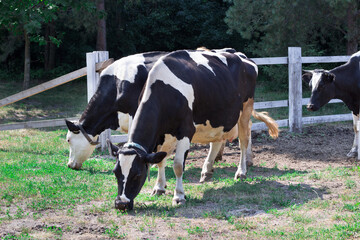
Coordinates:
(166, 112)
(101, 112)
(151, 58)
(185, 156)
(113, 95)
(216, 96)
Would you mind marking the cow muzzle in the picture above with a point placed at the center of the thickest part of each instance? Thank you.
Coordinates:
(311, 107)
(74, 165)
(123, 205)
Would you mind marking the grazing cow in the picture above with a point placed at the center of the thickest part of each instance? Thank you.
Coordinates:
(118, 92)
(114, 100)
(342, 83)
(190, 96)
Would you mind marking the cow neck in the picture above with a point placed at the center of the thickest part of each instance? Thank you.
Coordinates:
(346, 90)
(145, 129)
(101, 112)
(92, 125)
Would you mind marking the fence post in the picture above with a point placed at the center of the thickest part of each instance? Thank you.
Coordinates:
(92, 82)
(295, 89)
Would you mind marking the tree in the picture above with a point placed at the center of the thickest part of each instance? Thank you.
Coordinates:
(345, 17)
(26, 20)
(101, 26)
(272, 26)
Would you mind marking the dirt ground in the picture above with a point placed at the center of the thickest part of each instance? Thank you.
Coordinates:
(317, 147)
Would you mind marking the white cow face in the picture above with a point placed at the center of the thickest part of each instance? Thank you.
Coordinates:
(80, 148)
(131, 170)
(322, 87)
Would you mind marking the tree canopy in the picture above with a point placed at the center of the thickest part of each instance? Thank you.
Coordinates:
(60, 32)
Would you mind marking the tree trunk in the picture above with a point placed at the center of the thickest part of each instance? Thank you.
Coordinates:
(26, 82)
(49, 54)
(352, 29)
(101, 27)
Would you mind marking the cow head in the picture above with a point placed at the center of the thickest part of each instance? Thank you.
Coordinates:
(322, 87)
(131, 169)
(80, 147)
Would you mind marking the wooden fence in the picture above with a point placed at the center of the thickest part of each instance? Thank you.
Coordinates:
(99, 60)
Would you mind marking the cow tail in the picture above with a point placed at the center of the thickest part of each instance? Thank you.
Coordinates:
(270, 123)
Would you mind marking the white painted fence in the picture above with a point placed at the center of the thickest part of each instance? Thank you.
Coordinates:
(295, 100)
(95, 60)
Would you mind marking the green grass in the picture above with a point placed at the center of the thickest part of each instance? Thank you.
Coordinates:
(68, 100)
(34, 179)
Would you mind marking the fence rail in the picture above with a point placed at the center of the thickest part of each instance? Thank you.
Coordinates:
(294, 60)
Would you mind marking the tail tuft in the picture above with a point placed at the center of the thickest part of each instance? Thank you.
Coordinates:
(270, 123)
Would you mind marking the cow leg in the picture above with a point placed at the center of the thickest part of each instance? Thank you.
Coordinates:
(182, 148)
(354, 150)
(207, 169)
(220, 152)
(160, 184)
(244, 135)
(168, 146)
(249, 154)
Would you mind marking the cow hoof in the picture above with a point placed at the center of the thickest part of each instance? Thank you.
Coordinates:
(249, 164)
(218, 158)
(240, 176)
(206, 177)
(158, 192)
(178, 202)
(352, 154)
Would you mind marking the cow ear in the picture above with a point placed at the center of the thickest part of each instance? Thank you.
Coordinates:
(113, 150)
(154, 158)
(329, 77)
(306, 77)
(72, 127)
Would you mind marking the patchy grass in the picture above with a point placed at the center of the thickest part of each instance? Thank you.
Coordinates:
(55, 202)
(68, 100)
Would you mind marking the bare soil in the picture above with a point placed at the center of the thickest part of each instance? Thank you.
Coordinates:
(316, 148)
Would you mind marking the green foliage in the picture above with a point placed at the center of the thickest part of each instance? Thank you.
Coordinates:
(151, 25)
(272, 26)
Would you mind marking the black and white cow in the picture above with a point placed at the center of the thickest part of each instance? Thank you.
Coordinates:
(342, 83)
(114, 103)
(190, 96)
(114, 100)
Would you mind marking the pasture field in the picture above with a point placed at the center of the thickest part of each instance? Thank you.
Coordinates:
(301, 186)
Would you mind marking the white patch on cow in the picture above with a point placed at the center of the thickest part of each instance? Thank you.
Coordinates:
(80, 149)
(199, 58)
(125, 68)
(356, 130)
(124, 119)
(251, 63)
(160, 72)
(242, 55)
(183, 145)
(244, 58)
(206, 133)
(125, 162)
(315, 80)
(357, 54)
